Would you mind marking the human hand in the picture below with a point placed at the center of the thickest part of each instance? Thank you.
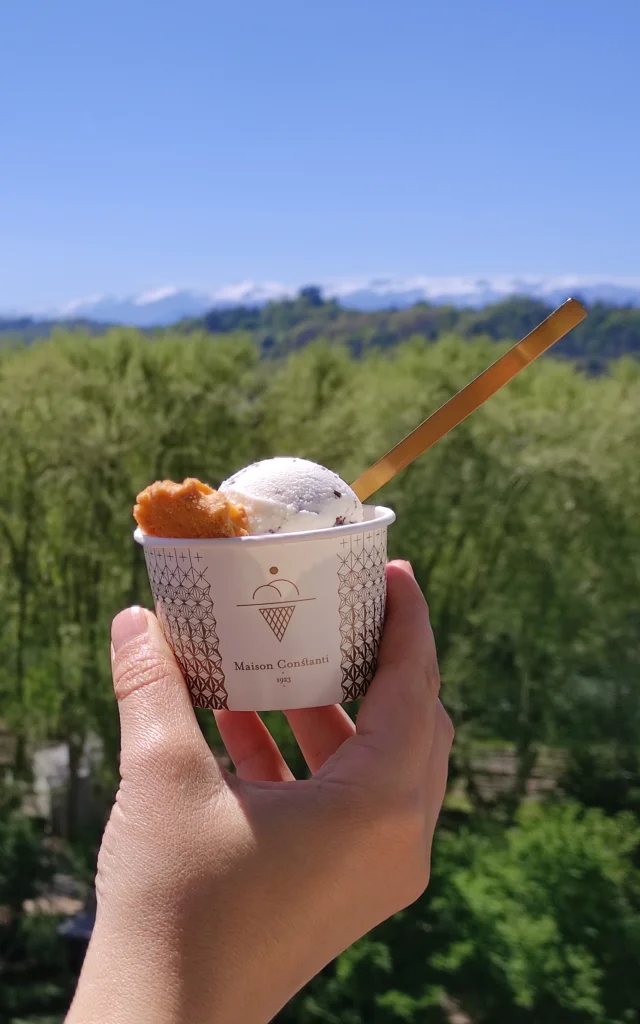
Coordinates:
(221, 895)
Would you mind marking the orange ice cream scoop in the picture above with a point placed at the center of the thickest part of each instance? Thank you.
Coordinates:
(190, 509)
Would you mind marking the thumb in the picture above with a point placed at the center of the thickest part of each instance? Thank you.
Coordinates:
(158, 725)
(400, 707)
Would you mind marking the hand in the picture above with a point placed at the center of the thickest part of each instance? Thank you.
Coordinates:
(220, 895)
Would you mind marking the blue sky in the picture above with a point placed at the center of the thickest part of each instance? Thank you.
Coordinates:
(199, 143)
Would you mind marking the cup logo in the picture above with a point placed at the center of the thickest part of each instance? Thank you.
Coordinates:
(276, 601)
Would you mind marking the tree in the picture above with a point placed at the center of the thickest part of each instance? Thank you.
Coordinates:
(538, 923)
(545, 921)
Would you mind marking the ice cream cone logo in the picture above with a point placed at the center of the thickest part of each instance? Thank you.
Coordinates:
(281, 596)
(277, 619)
(276, 601)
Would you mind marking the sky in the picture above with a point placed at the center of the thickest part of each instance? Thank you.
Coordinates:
(196, 143)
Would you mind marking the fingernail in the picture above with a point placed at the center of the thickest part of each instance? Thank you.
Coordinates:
(407, 566)
(127, 625)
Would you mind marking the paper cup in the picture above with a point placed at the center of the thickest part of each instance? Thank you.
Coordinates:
(274, 621)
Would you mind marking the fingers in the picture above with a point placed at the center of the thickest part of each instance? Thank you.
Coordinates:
(251, 747)
(398, 711)
(157, 721)
(320, 732)
(438, 767)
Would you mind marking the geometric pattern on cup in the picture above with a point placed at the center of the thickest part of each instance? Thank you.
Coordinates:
(362, 591)
(185, 610)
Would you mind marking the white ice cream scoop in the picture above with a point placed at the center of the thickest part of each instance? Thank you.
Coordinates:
(287, 495)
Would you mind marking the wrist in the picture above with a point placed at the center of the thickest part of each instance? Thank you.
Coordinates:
(127, 977)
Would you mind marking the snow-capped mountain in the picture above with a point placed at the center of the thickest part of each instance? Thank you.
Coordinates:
(166, 305)
(478, 292)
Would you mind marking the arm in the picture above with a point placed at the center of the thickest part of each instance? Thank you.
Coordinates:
(219, 895)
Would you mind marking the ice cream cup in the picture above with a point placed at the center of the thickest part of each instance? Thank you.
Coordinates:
(274, 621)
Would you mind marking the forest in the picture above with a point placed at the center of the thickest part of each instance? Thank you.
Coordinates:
(522, 526)
(280, 327)
(287, 325)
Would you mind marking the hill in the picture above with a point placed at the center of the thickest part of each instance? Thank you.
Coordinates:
(609, 331)
(161, 307)
(282, 326)
(27, 328)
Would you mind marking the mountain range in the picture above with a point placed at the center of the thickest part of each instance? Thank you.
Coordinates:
(167, 305)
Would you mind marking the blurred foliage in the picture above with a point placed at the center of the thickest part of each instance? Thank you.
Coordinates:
(539, 923)
(522, 527)
(33, 969)
(283, 326)
(286, 325)
(25, 863)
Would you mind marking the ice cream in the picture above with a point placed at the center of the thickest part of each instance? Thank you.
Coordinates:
(284, 495)
(285, 613)
(289, 495)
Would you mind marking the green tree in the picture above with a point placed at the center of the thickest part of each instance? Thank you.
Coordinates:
(545, 921)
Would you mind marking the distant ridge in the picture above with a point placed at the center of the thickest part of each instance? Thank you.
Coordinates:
(167, 305)
(280, 327)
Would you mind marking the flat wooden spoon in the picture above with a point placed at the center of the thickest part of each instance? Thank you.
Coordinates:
(471, 397)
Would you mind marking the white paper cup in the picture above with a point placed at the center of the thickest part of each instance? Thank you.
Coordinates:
(274, 621)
